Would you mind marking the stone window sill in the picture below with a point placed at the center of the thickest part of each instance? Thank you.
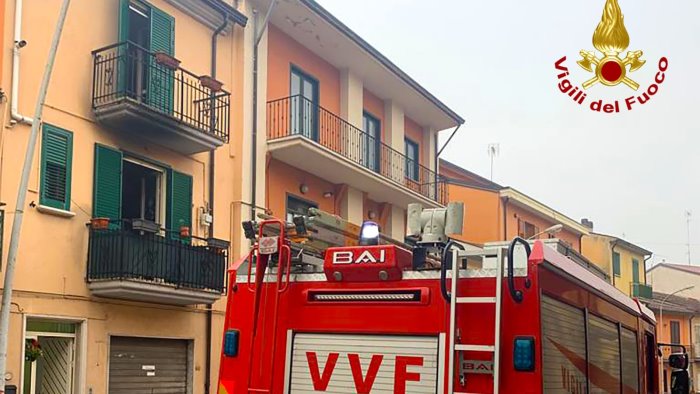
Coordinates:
(55, 211)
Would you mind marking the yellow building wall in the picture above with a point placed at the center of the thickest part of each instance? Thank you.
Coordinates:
(52, 260)
(599, 250)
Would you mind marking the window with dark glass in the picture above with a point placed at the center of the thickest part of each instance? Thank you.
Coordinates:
(371, 140)
(298, 207)
(675, 327)
(412, 160)
(304, 104)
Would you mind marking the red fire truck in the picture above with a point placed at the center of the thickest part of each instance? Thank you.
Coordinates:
(385, 319)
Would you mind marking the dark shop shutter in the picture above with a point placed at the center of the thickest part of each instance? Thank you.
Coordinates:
(56, 158)
(148, 365)
(179, 201)
(107, 188)
(162, 40)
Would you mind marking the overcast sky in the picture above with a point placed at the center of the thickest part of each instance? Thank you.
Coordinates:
(633, 173)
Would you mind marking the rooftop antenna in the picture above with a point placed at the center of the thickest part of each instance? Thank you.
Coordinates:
(688, 215)
(493, 149)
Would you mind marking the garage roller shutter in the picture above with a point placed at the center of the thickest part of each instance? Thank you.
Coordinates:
(148, 366)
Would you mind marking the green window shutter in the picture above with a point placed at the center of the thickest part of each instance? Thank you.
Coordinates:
(635, 271)
(123, 20)
(179, 202)
(56, 158)
(161, 85)
(616, 263)
(107, 189)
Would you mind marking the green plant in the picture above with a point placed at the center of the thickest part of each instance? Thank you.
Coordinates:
(32, 350)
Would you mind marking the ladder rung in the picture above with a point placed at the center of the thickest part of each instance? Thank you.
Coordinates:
(475, 348)
(476, 300)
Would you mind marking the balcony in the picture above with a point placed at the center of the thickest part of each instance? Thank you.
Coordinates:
(128, 263)
(640, 290)
(146, 94)
(311, 138)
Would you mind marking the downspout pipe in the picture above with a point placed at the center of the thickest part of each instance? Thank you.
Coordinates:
(254, 144)
(18, 44)
(212, 167)
(505, 219)
(645, 267)
(448, 140)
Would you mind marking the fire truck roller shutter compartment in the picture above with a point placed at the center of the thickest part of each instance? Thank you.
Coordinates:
(377, 364)
(564, 343)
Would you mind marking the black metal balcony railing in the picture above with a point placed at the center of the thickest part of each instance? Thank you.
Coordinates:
(127, 71)
(122, 253)
(297, 115)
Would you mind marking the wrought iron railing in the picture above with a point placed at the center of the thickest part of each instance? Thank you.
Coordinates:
(126, 71)
(122, 252)
(297, 115)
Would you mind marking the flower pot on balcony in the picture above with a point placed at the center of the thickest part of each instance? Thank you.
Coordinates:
(145, 226)
(211, 83)
(99, 223)
(167, 61)
(184, 232)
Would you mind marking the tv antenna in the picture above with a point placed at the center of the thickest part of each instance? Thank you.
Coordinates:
(493, 150)
(688, 215)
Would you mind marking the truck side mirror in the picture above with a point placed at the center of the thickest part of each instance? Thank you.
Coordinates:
(680, 382)
(678, 361)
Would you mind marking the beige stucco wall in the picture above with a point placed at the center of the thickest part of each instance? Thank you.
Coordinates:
(51, 266)
(667, 280)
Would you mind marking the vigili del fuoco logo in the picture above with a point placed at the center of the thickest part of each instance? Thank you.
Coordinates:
(610, 69)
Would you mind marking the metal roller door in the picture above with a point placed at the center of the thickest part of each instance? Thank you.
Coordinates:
(604, 356)
(376, 364)
(564, 345)
(148, 366)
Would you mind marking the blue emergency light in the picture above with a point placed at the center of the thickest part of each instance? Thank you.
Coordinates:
(524, 354)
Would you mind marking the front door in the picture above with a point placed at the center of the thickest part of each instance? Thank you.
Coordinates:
(304, 105)
(52, 372)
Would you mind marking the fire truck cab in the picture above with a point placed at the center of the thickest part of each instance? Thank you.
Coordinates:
(381, 318)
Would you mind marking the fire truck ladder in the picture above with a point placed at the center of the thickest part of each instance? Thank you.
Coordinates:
(264, 250)
(457, 257)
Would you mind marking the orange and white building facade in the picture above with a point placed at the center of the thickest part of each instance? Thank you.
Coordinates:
(339, 126)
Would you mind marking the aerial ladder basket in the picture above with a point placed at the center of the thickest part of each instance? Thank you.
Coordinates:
(263, 253)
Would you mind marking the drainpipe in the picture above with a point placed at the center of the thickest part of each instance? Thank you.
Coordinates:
(18, 44)
(505, 219)
(212, 161)
(254, 146)
(645, 268)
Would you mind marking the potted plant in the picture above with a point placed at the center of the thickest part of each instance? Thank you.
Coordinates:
(144, 225)
(99, 223)
(211, 83)
(167, 61)
(32, 350)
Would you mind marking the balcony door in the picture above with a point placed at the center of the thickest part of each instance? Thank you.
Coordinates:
(143, 31)
(371, 140)
(304, 104)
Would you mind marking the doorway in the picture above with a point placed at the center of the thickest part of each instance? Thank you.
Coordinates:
(50, 358)
(304, 105)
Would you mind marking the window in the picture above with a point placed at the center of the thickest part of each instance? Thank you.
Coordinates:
(635, 271)
(142, 191)
(129, 188)
(616, 263)
(56, 157)
(675, 327)
(304, 104)
(412, 160)
(372, 139)
(298, 207)
(526, 229)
